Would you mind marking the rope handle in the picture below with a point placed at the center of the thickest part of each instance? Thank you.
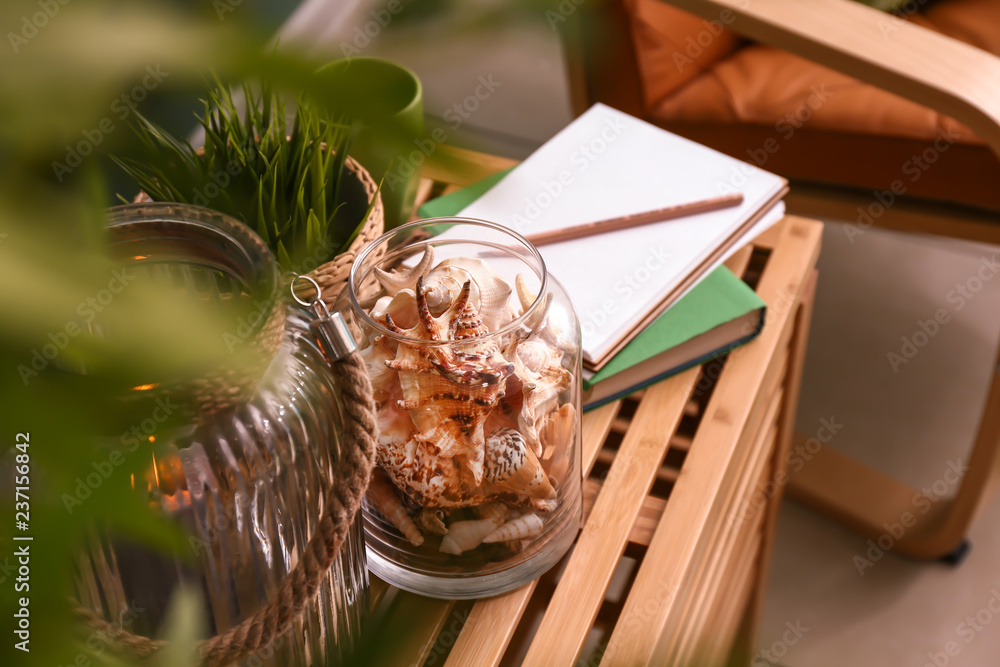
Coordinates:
(347, 489)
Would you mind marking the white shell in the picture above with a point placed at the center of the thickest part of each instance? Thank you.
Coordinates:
(402, 307)
(383, 496)
(538, 366)
(383, 379)
(395, 281)
(512, 467)
(443, 285)
(466, 535)
(526, 525)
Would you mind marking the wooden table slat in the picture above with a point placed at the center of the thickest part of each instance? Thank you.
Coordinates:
(596, 426)
(412, 630)
(645, 522)
(581, 589)
(489, 628)
(713, 649)
(719, 548)
(731, 597)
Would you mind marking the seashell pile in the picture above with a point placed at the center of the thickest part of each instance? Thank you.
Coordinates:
(475, 433)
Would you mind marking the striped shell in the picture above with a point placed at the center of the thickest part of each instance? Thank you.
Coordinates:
(383, 497)
(513, 468)
(526, 525)
(450, 389)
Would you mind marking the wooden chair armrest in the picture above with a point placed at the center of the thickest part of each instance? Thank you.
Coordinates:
(916, 63)
(461, 166)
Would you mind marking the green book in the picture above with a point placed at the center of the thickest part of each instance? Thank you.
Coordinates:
(718, 314)
(451, 204)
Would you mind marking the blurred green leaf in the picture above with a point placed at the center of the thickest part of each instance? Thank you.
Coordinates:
(184, 626)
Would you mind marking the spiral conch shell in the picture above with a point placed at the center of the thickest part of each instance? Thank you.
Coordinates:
(450, 389)
(490, 294)
(466, 535)
(513, 467)
(526, 525)
(382, 495)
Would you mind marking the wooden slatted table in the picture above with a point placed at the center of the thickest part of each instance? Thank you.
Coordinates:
(683, 482)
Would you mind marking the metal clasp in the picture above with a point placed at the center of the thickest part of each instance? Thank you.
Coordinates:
(331, 331)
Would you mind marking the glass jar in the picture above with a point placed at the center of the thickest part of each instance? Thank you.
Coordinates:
(248, 475)
(473, 350)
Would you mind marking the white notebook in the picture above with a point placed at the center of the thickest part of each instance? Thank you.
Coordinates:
(606, 164)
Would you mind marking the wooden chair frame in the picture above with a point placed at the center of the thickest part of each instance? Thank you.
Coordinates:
(938, 72)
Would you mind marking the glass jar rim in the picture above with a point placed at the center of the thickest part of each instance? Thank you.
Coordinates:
(403, 230)
(250, 260)
(177, 233)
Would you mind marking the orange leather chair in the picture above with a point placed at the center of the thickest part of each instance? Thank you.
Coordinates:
(876, 119)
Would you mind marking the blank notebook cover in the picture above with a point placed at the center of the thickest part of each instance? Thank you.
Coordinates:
(607, 164)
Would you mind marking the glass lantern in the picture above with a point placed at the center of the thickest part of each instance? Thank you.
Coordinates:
(247, 477)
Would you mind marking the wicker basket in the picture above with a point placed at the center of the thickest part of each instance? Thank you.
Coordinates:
(332, 276)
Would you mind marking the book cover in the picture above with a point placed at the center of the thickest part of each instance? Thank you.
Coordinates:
(606, 164)
(719, 314)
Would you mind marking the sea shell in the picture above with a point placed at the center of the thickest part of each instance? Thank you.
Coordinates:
(384, 379)
(466, 535)
(538, 366)
(524, 295)
(424, 476)
(406, 278)
(526, 525)
(491, 296)
(443, 285)
(402, 306)
(513, 468)
(394, 424)
(496, 512)
(498, 419)
(431, 520)
(437, 402)
(450, 389)
(556, 438)
(384, 498)
(431, 480)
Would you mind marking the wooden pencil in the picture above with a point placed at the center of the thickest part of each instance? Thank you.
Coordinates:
(635, 219)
